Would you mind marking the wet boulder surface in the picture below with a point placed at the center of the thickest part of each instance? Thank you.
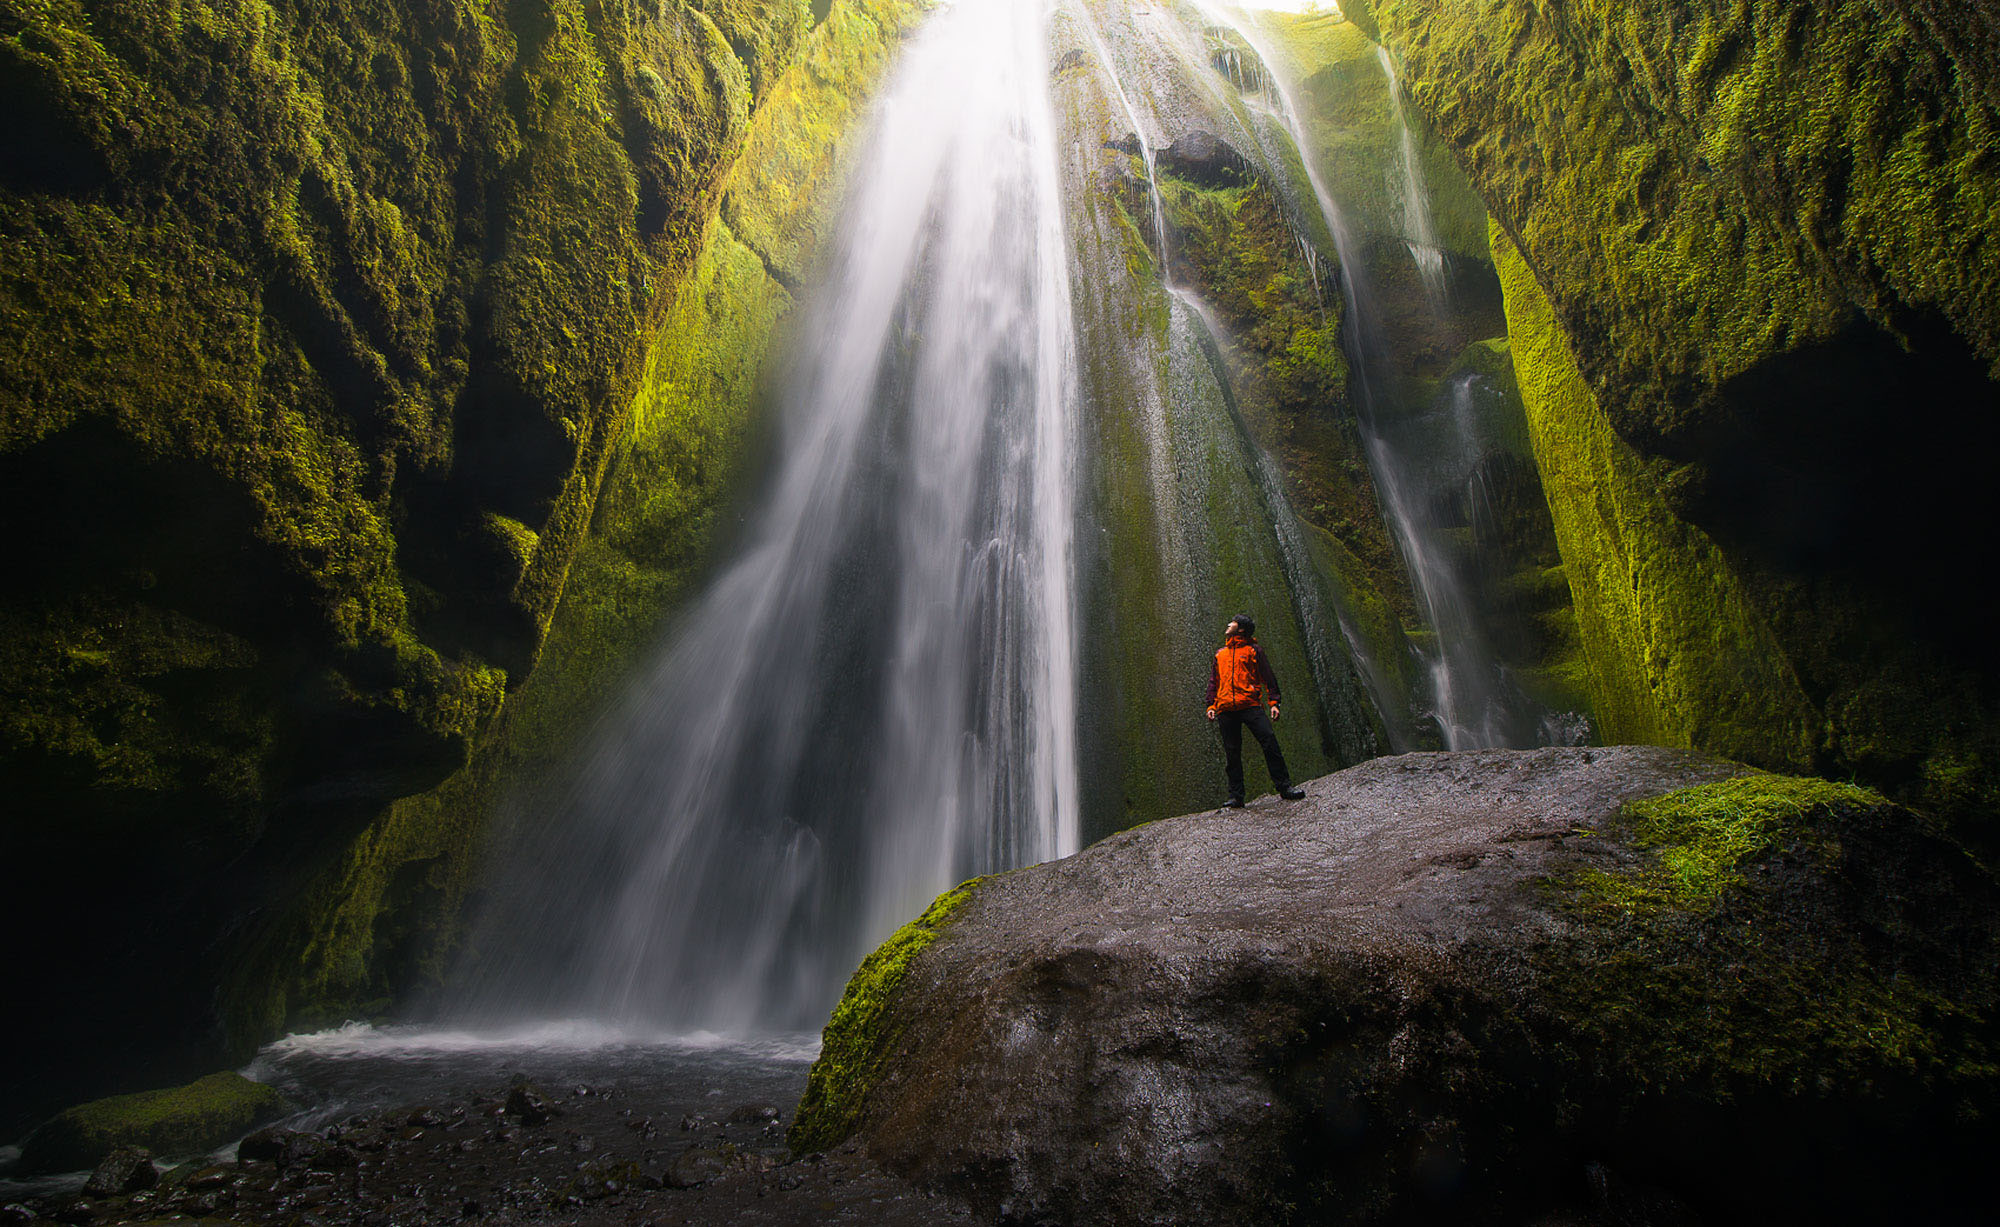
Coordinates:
(1564, 985)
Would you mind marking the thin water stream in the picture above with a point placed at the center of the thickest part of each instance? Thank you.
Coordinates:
(1471, 701)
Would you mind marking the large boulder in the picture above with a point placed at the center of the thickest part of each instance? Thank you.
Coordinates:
(182, 1120)
(1446, 986)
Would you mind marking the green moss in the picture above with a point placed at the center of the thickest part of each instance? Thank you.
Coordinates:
(776, 201)
(1700, 838)
(1350, 118)
(383, 920)
(855, 1048)
(1677, 652)
(1703, 186)
(1713, 967)
(180, 1121)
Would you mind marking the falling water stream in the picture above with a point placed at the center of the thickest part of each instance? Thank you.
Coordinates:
(876, 698)
(1471, 701)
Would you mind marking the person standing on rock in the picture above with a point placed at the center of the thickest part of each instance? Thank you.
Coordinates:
(1240, 686)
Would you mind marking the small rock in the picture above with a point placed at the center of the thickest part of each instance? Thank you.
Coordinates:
(210, 1177)
(265, 1144)
(527, 1103)
(71, 1210)
(583, 1146)
(471, 1209)
(753, 1114)
(127, 1169)
(13, 1214)
(424, 1118)
(694, 1120)
(696, 1167)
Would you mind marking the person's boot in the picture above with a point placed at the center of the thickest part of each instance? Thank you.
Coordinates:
(1291, 792)
(1233, 803)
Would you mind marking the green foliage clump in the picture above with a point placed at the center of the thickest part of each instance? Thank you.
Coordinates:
(855, 1046)
(182, 1120)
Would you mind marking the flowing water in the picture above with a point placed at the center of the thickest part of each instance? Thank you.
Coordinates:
(876, 699)
(1471, 700)
(1419, 228)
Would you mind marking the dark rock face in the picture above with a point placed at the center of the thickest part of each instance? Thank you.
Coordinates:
(1454, 986)
(318, 326)
(1205, 158)
(125, 1170)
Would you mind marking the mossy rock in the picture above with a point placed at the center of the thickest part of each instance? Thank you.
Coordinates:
(853, 1047)
(1737, 234)
(183, 1120)
(1450, 988)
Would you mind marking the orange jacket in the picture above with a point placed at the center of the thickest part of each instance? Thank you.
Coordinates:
(1239, 676)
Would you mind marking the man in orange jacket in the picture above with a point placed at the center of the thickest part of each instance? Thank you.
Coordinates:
(1240, 685)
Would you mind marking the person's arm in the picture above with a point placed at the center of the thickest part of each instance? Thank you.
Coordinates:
(1214, 684)
(1268, 679)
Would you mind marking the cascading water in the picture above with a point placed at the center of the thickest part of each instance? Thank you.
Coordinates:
(1419, 230)
(877, 698)
(1471, 701)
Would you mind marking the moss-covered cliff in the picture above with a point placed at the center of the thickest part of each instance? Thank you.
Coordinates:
(320, 327)
(1765, 234)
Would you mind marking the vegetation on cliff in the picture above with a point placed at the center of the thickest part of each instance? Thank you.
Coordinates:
(383, 922)
(1758, 228)
(320, 327)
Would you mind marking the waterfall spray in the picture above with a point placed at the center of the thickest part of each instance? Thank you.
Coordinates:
(876, 699)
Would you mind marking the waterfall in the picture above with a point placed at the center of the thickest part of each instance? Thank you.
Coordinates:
(1471, 701)
(876, 698)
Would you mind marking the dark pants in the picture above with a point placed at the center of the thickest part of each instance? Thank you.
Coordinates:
(1231, 725)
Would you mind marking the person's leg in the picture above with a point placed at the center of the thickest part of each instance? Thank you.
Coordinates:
(1230, 725)
(1274, 757)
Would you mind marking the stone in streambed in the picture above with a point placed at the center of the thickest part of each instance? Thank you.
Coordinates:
(530, 1105)
(1444, 987)
(125, 1170)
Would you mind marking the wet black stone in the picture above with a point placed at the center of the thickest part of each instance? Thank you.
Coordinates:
(127, 1169)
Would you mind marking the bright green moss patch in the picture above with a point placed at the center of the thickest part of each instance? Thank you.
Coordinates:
(855, 1046)
(1699, 838)
(1742, 956)
(180, 1121)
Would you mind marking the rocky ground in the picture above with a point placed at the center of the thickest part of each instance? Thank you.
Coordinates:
(589, 1155)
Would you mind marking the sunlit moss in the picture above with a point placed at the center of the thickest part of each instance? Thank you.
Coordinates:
(1677, 653)
(856, 1046)
(1698, 839)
